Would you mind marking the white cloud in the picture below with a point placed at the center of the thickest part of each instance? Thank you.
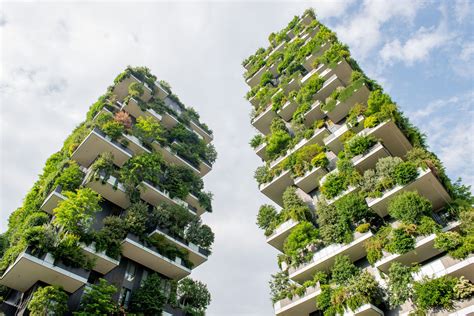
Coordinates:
(362, 31)
(462, 9)
(416, 48)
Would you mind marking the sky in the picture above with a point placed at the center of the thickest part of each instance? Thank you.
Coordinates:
(58, 58)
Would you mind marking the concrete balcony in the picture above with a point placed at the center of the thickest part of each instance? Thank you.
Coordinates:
(194, 204)
(313, 114)
(110, 189)
(392, 138)
(155, 196)
(323, 259)
(328, 87)
(51, 202)
(341, 110)
(173, 158)
(275, 188)
(200, 131)
(287, 110)
(151, 258)
(134, 144)
(426, 184)
(298, 305)
(310, 180)
(279, 235)
(261, 150)
(447, 266)
(424, 250)
(135, 110)
(96, 143)
(365, 310)
(369, 159)
(255, 79)
(160, 93)
(103, 263)
(197, 255)
(121, 89)
(29, 269)
(316, 138)
(310, 59)
(263, 121)
(333, 141)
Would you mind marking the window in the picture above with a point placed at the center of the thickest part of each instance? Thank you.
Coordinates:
(130, 272)
(124, 298)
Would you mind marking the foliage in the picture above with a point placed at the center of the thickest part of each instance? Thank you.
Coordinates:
(75, 214)
(294, 207)
(143, 167)
(298, 245)
(97, 299)
(41, 238)
(262, 175)
(333, 185)
(123, 118)
(136, 218)
(334, 227)
(279, 286)
(136, 89)
(200, 234)
(343, 270)
(110, 236)
(113, 129)
(193, 296)
(267, 218)
(401, 242)
(359, 145)
(409, 207)
(405, 173)
(48, 300)
(68, 251)
(257, 140)
(399, 284)
(70, 178)
(463, 288)
(148, 130)
(434, 293)
(427, 226)
(150, 298)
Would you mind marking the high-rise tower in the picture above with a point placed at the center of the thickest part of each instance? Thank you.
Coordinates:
(114, 219)
(365, 218)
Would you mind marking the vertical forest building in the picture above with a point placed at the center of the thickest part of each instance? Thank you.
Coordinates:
(363, 215)
(113, 225)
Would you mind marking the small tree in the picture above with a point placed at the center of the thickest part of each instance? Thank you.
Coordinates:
(266, 218)
(97, 299)
(150, 298)
(399, 284)
(409, 207)
(49, 300)
(193, 296)
(343, 269)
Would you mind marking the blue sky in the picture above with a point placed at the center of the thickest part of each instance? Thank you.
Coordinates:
(57, 59)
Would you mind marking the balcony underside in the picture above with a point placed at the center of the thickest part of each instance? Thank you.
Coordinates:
(365, 310)
(261, 151)
(309, 60)
(103, 263)
(51, 202)
(134, 109)
(111, 190)
(97, 143)
(310, 180)
(173, 158)
(392, 138)
(137, 252)
(302, 306)
(369, 159)
(277, 239)
(121, 89)
(324, 258)
(28, 269)
(274, 189)
(198, 129)
(263, 121)
(314, 114)
(426, 184)
(286, 112)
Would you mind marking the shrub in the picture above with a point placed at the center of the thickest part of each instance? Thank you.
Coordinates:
(113, 129)
(371, 121)
(385, 167)
(136, 89)
(200, 235)
(399, 284)
(143, 167)
(136, 218)
(363, 289)
(266, 78)
(41, 238)
(320, 160)
(75, 214)
(334, 227)
(405, 173)
(333, 185)
(193, 296)
(277, 143)
(463, 288)
(150, 297)
(448, 241)
(359, 145)
(409, 207)
(343, 270)
(257, 140)
(353, 207)
(427, 226)
(48, 300)
(363, 228)
(123, 118)
(70, 178)
(148, 130)
(294, 207)
(97, 299)
(110, 236)
(279, 286)
(267, 218)
(302, 236)
(400, 242)
(69, 251)
(376, 100)
(262, 175)
(434, 293)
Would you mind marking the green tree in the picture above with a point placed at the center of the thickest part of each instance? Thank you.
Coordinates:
(343, 269)
(193, 296)
(399, 284)
(148, 130)
(48, 300)
(97, 299)
(409, 207)
(150, 297)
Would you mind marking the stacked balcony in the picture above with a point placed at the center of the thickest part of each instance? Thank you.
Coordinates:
(279, 235)
(298, 305)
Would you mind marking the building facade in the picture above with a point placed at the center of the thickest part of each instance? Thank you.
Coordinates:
(364, 217)
(122, 202)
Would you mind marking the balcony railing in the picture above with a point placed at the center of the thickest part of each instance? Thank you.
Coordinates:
(447, 265)
(151, 258)
(275, 188)
(298, 305)
(102, 263)
(279, 235)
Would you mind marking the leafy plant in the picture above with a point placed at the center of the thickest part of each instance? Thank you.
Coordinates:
(70, 178)
(400, 242)
(399, 284)
(343, 269)
(150, 297)
(434, 293)
(136, 89)
(298, 244)
(359, 145)
(267, 218)
(113, 129)
(463, 288)
(48, 300)
(148, 130)
(123, 118)
(193, 296)
(409, 207)
(405, 173)
(257, 140)
(97, 299)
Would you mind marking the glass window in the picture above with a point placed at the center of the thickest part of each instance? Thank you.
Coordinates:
(130, 272)
(124, 298)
